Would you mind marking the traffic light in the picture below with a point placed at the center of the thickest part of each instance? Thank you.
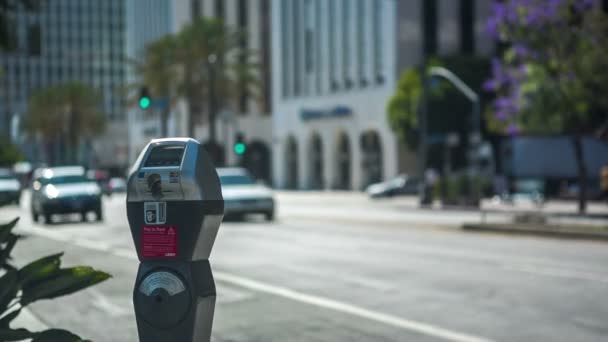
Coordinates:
(239, 145)
(144, 98)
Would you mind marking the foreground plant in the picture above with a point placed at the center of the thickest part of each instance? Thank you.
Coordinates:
(41, 279)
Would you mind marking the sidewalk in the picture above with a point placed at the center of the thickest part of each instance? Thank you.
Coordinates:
(358, 207)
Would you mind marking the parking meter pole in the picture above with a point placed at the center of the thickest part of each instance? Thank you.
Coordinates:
(175, 207)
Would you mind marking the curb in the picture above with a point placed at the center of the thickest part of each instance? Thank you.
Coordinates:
(548, 231)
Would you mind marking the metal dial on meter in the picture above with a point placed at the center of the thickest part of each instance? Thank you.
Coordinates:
(162, 299)
(162, 280)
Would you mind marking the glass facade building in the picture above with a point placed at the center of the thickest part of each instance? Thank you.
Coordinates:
(60, 41)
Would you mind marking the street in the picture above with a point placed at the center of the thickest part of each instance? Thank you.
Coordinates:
(342, 268)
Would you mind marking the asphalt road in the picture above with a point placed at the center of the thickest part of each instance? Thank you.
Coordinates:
(338, 268)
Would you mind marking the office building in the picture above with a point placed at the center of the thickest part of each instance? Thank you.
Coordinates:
(336, 64)
(60, 41)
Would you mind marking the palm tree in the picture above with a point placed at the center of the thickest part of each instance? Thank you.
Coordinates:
(205, 64)
(216, 68)
(66, 113)
(159, 72)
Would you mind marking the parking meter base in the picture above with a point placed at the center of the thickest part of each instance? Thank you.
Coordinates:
(174, 302)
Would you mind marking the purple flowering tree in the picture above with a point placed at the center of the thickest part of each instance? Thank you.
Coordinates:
(552, 74)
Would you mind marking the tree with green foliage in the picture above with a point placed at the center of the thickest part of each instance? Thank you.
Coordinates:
(204, 57)
(9, 153)
(551, 78)
(39, 280)
(66, 112)
(216, 67)
(159, 72)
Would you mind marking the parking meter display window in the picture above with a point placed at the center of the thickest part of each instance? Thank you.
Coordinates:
(167, 155)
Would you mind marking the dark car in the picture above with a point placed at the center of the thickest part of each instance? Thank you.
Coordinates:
(398, 186)
(10, 187)
(64, 190)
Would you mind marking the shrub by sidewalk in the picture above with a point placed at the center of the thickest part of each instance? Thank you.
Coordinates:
(41, 279)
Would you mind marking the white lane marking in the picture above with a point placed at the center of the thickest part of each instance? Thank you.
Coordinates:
(419, 327)
(230, 294)
(557, 272)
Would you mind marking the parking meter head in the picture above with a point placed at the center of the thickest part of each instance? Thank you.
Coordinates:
(174, 201)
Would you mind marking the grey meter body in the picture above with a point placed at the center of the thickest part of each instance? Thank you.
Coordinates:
(175, 208)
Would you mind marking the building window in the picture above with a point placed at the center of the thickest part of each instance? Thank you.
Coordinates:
(285, 42)
(34, 41)
(346, 42)
(429, 29)
(219, 10)
(467, 26)
(309, 38)
(9, 34)
(266, 39)
(319, 31)
(195, 7)
(242, 19)
(361, 41)
(296, 15)
(378, 40)
(332, 29)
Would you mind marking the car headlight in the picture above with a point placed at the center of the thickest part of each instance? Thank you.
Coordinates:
(51, 191)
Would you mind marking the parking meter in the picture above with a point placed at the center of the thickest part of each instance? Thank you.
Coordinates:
(175, 207)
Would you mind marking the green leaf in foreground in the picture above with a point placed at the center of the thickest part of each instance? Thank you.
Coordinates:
(39, 270)
(8, 318)
(10, 335)
(9, 286)
(56, 335)
(6, 229)
(63, 282)
(5, 253)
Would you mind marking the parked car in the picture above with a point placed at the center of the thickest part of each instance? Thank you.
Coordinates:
(117, 185)
(10, 187)
(64, 190)
(399, 186)
(242, 195)
(102, 178)
(526, 191)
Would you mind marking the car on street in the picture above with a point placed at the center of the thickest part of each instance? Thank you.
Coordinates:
(64, 190)
(117, 185)
(102, 178)
(243, 195)
(398, 186)
(10, 187)
(526, 191)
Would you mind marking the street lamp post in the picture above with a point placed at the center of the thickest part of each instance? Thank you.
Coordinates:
(475, 139)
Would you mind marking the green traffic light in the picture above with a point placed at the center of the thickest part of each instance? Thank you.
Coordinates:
(144, 102)
(240, 148)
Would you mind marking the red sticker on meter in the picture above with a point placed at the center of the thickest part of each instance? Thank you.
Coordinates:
(159, 241)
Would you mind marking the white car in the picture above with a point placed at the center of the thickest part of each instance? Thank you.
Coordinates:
(242, 195)
(64, 190)
(10, 188)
